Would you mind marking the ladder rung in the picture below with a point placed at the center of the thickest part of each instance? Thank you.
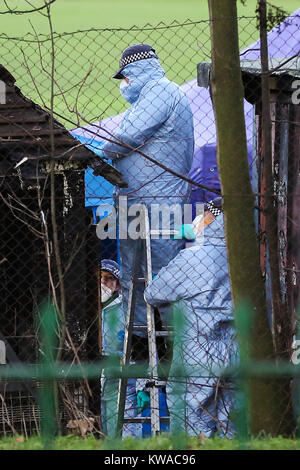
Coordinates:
(157, 333)
(145, 419)
(164, 232)
(144, 327)
(156, 383)
(140, 279)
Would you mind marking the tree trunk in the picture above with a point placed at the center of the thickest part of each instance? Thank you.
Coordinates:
(265, 401)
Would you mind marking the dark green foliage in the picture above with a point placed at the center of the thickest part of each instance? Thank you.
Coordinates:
(275, 15)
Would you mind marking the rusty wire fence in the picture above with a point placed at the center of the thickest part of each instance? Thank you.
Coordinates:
(77, 162)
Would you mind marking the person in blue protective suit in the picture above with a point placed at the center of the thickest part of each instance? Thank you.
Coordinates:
(196, 284)
(159, 123)
(113, 326)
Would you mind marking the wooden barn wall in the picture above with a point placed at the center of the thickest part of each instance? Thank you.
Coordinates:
(293, 261)
(285, 118)
(23, 271)
(24, 284)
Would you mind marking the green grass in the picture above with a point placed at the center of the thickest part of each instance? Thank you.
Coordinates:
(96, 53)
(72, 442)
(71, 15)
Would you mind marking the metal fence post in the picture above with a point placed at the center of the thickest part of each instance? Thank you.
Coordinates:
(48, 390)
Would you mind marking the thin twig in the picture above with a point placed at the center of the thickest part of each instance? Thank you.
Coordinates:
(22, 12)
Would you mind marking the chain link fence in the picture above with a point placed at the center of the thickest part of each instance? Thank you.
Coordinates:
(78, 166)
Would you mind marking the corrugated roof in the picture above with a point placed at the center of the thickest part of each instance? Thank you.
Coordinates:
(287, 66)
(284, 66)
(25, 135)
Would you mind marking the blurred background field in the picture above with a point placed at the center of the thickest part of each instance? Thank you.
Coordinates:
(85, 61)
(71, 15)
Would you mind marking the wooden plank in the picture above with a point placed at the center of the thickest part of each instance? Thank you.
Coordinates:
(21, 104)
(17, 116)
(293, 259)
(60, 141)
(27, 131)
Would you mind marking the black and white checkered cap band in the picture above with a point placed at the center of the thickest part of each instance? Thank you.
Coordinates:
(111, 269)
(214, 210)
(115, 271)
(137, 56)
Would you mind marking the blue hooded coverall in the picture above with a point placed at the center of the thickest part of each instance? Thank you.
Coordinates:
(197, 281)
(159, 123)
(113, 325)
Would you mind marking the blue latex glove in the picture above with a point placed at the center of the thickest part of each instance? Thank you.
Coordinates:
(185, 231)
(143, 400)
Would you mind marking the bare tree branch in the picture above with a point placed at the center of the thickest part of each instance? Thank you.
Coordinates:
(22, 12)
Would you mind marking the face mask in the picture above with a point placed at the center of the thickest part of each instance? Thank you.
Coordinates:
(123, 84)
(125, 91)
(130, 91)
(106, 293)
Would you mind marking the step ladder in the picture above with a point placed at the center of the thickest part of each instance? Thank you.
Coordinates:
(143, 247)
